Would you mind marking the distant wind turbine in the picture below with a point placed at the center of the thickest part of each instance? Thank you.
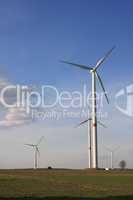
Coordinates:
(95, 75)
(36, 151)
(112, 152)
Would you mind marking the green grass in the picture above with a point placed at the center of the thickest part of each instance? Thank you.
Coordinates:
(58, 183)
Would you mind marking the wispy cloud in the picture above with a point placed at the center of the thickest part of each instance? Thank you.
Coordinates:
(15, 117)
(12, 116)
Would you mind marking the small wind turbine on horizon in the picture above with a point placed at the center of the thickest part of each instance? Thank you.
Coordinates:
(36, 151)
(112, 152)
(95, 75)
(90, 137)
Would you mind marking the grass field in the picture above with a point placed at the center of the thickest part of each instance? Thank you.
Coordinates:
(66, 184)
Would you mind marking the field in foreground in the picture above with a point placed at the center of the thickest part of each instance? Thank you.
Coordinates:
(66, 184)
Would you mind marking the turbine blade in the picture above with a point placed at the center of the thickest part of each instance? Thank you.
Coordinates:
(78, 65)
(40, 140)
(100, 123)
(83, 122)
(101, 83)
(99, 62)
(31, 145)
(108, 149)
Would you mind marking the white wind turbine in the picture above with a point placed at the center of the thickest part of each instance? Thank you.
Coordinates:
(90, 137)
(36, 151)
(112, 152)
(94, 74)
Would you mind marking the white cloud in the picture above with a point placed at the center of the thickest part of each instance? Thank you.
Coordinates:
(15, 117)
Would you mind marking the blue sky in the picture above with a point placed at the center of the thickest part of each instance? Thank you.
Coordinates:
(35, 35)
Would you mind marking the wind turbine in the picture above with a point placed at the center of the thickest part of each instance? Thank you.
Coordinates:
(36, 151)
(95, 75)
(112, 151)
(90, 137)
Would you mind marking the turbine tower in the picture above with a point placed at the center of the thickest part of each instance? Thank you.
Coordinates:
(94, 75)
(90, 137)
(36, 151)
